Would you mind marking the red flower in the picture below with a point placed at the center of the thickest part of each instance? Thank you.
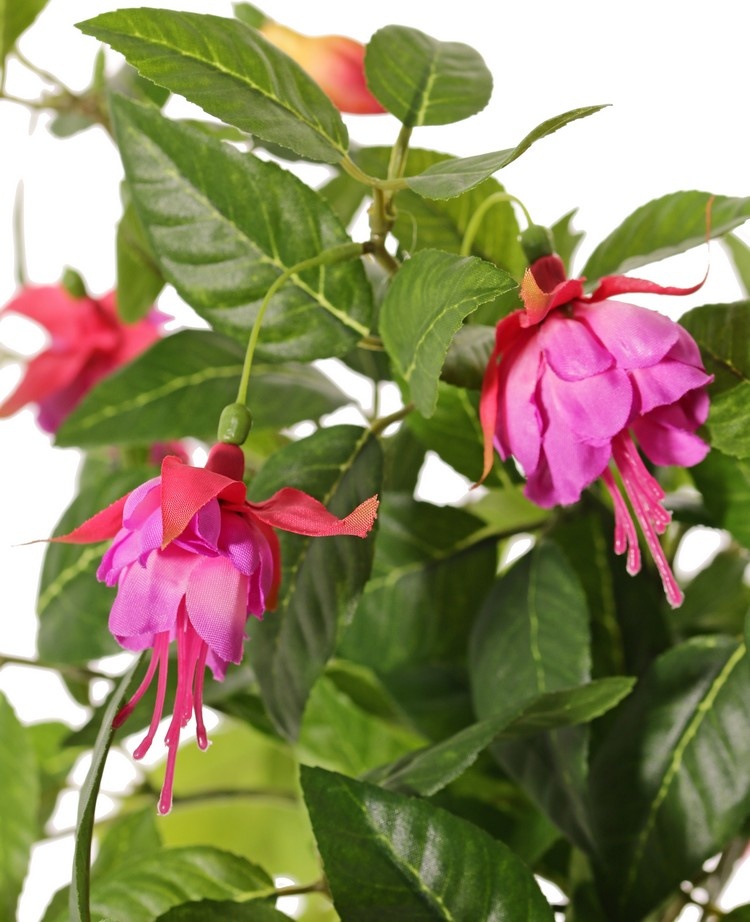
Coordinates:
(87, 342)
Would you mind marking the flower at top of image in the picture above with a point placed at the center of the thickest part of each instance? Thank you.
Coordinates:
(577, 383)
(192, 559)
(87, 341)
(336, 63)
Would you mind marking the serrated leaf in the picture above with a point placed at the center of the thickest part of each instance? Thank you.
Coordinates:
(230, 71)
(531, 638)
(180, 386)
(139, 280)
(387, 856)
(429, 770)
(423, 81)
(321, 577)
(15, 18)
(73, 607)
(198, 200)
(19, 782)
(426, 304)
(739, 252)
(452, 177)
(663, 227)
(670, 782)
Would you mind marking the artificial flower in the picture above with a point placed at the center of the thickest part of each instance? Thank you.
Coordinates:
(577, 383)
(87, 342)
(192, 559)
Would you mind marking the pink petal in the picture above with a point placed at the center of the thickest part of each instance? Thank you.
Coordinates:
(571, 349)
(623, 284)
(519, 422)
(565, 469)
(295, 511)
(46, 374)
(665, 444)
(52, 308)
(594, 409)
(187, 489)
(216, 601)
(665, 383)
(635, 336)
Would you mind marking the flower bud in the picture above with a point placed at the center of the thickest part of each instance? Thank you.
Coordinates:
(235, 424)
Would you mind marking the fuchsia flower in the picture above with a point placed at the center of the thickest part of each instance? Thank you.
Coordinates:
(192, 559)
(335, 63)
(88, 342)
(575, 378)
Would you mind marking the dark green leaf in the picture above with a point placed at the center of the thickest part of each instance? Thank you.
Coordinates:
(725, 485)
(662, 227)
(425, 306)
(139, 279)
(403, 456)
(566, 239)
(15, 18)
(55, 759)
(531, 638)
(387, 856)
(468, 356)
(345, 195)
(738, 914)
(198, 201)
(213, 911)
(670, 783)
(717, 599)
(423, 81)
(230, 71)
(73, 607)
(127, 835)
(429, 770)
(321, 577)
(729, 421)
(452, 177)
(180, 386)
(740, 255)
(722, 332)
(19, 782)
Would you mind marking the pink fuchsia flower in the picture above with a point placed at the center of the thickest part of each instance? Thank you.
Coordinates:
(192, 559)
(87, 342)
(576, 380)
(335, 63)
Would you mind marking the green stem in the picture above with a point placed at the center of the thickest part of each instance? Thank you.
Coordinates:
(386, 185)
(476, 219)
(19, 239)
(385, 421)
(399, 152)
(43, 74)
(80, 673)
(327, 258)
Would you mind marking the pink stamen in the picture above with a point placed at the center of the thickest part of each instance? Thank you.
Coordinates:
(626, 537)
(161, 650)
(645, 495)
(200, 727)
(127, 709)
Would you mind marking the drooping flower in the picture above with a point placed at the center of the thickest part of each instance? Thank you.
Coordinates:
(576, 382)
(192, 559)
(87, 342)
(335, 62)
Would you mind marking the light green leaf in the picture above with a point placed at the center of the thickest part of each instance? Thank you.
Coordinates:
(200, 200)
(729, 421)
(452, 177)
(230, 71)
(670, 782)
(662, 227)
(725, 485)
(15, 18)
(739, 252)
(722, 332)
(429, 770)
(717, 599)
(425, 305)
(213, 911)
(423, 81)
(180, 386)
(321, 577)
(139, 280)
(387, 856)
(19, 782)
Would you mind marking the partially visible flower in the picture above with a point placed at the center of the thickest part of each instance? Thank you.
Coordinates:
(574, 379)
(335, 62)
(192, 559)
(87, 342)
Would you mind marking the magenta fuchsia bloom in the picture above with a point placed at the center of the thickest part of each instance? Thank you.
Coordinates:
(192, 559)
(575, 380)
(88, 342)
(336, 64)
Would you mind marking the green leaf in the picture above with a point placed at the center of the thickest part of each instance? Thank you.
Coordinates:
(738, 914)
(429, 770)
(15, 18)
(531, 638)
(321, 577)
(192, 193)
(468, 356)
(55, 759)
(662, 227)
(387, 856)
(670, 782)
(19, 782)
(566, 239)
(725, 485)
(180, 386)
(425, 305)
(716, 599)
(230, 71)
(127, 835)
(139, 279)
(452, 177)
(213, 911)
(423, 81)
(73, 607)
(722, 332)
(729, 421)
(739, 252)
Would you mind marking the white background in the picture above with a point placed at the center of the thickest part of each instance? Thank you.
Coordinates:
(675, 73)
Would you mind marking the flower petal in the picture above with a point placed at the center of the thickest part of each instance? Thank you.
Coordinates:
(186, 489)
(635, 336)
(665, 383)
(295, 511)
(216, 601)
(571, 349)
(666, 444)
(595, 409)
(518, 428)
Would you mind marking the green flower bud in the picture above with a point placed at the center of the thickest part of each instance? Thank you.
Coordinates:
(235, 424)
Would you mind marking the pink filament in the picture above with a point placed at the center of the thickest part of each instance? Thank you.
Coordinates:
(645, 497)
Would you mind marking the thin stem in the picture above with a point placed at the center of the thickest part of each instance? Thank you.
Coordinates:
(28, 103)
(74, 672)
(385, 421)
(40, 72)
(19, 239)
(399, 152)
(387, 185)
(319, 886)
(327, 258)
(476, 219)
